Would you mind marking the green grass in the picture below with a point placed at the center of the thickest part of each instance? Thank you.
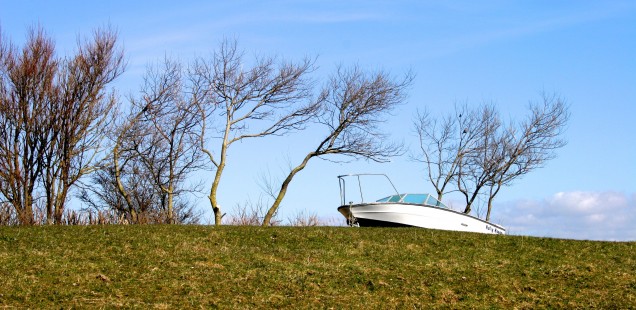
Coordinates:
(169, 267)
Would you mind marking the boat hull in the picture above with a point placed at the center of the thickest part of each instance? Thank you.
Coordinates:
(406, 214)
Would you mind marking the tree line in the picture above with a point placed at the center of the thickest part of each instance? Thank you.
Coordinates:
(64, 130)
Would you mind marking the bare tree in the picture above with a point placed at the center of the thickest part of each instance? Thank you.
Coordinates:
(529, 145)
(27, 91)
(145, 206)
(171, 149)
(102, 193)
(80, 117)
(248, 101)
(154, 151)
(53, 115)
(122, 156)
(353, 103)
(477, 162)
(445, 143)
(477, 152)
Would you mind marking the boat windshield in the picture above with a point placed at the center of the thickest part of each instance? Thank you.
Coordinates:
(423, 199)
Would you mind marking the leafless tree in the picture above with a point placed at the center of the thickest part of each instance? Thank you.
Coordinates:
(27, 92)
(171, 149)
(53, 115)
(444, 144)
(529, 145)
(479, 154)
(154, 151)
(146, 205)
(352, 103)
(247, 101)
(124, 160)
(476, 165)
(80, 116)
(102, 192)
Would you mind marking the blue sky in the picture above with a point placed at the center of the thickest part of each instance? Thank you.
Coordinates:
(506, 52)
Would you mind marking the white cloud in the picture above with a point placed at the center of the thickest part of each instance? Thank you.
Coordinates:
(576, 215)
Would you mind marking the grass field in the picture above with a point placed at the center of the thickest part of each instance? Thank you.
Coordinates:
(168, 267)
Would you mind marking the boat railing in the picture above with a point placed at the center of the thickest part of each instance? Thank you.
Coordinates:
(422, 199)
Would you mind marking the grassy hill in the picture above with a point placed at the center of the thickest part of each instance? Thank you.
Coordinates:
(168, 267)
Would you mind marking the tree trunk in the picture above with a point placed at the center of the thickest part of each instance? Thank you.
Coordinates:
(219, 172)
(491, 198)
(25, 216)
(170, 217)
(60, 202)
(50, 209)
(213, 192)
(469, 202)
(25, 211)
(283, 190)
(440, 195)
(120, 185)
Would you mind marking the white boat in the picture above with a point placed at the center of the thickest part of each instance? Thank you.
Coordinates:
(418, 210)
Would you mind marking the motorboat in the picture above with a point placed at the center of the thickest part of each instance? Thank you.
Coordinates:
(416, 210)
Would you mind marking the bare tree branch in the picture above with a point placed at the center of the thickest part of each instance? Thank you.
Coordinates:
(171, 151)
(248, 102)
(477, 151)
(353, 103)
(531, 146)
(27, 91)
(81, 116)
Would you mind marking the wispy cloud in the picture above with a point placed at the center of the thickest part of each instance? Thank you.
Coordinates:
(528, 26)
(576, 215)
(325, 17)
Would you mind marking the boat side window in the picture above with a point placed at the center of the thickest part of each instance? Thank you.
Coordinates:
(415, 198)
(434, 202)
(425, 199)
(393, 198)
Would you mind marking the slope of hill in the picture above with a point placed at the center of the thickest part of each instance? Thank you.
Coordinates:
(322, 267)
